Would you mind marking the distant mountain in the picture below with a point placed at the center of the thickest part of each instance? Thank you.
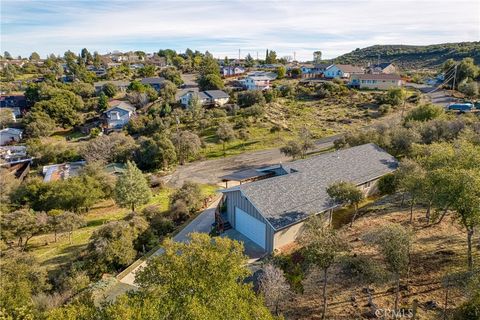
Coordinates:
(413, 57)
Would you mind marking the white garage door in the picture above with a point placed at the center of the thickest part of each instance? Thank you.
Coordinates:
(250, 227)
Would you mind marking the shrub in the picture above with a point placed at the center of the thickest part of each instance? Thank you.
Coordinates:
(249, 98)
(387, 184)
(385, 108)
(425, 112)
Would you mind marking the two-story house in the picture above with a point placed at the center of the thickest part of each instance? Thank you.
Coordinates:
(231, 71)
(256, 82)
(119, 114)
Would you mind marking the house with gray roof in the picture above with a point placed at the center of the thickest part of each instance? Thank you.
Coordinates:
(216, 98)
(271, 211)
(119, 84)
(156, 83)
(119, 114)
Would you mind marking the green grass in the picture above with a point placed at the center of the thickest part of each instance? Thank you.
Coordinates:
(53, 255)
(26, 76)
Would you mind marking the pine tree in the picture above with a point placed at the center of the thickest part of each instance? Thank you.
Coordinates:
(132, 188)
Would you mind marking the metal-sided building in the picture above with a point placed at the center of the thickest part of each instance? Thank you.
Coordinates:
(271, 211)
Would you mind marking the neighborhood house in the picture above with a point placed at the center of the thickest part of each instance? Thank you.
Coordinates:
(382, 81)
(16, 103)
(271, 212)
(256, 82)
(155, 83)
(119, 84)
(232, 71)
(386, 67)
(10, 136)
(119, 114)
(205, 98)
(342, 71)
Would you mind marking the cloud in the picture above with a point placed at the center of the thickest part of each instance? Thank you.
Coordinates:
(222, 27)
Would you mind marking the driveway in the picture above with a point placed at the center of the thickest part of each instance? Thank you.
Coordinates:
(202, 224)
(440, 96)
(209, 171)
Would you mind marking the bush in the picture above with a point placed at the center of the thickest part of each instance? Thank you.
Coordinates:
(256, 111)
(385, 109)
(249, 98)
(387, 184)
(187, 199)
(425, 112)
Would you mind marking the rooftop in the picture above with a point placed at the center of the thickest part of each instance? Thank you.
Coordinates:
(347, 68)
(286, 199)
(156, 80)
(380, 76)
(120, 105)
(217, 94)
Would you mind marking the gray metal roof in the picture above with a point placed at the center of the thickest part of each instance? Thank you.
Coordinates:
(290, 198)
(217, 94)
(157, 80)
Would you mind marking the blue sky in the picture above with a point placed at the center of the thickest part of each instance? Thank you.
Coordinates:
(223, 27)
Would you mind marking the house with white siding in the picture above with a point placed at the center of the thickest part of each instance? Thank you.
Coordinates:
(119, 114)
(256, 82)
(271, 211)
(231, 71)
(381, 81)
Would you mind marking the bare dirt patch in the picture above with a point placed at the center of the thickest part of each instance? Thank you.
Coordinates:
(437, 250)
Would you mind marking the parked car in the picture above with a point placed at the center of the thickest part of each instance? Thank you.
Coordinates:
(462, 107)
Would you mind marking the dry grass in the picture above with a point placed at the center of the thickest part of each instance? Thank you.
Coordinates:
(437, 250)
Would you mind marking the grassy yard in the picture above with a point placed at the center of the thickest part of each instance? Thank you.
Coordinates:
(322, 117)
(53, 254)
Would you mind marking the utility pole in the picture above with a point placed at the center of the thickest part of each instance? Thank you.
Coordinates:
(239, 54)
(454, 77)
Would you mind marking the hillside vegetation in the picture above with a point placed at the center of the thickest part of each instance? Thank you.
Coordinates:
(413, 57)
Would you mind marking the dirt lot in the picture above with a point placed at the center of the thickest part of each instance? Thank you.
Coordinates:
(437, 250)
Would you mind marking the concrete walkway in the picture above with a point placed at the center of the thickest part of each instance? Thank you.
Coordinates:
(202, 224)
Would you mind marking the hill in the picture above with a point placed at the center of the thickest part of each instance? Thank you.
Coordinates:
(413, 57)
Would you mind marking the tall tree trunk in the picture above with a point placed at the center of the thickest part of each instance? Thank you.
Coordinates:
(133, 207)
(397, 294)
(324, 309)
(469, 248)
(55, 234)
(403, 200)
(427, 215)
(445, 304)
(354, 215)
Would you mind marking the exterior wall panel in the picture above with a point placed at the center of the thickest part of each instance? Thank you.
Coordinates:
(235, 199)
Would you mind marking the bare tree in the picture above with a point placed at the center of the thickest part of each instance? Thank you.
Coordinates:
(323, 247)
(274, 286)
(394, 243)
